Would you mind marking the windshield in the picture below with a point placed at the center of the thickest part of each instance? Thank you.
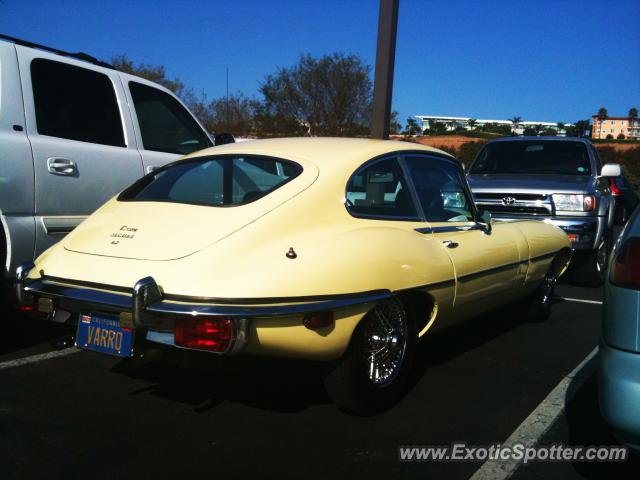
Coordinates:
(219, 181)
(522, 157)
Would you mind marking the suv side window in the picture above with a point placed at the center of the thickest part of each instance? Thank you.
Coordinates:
(597, 158)
(75, 103)
(441, 190)
(165, 126)
(380, 190)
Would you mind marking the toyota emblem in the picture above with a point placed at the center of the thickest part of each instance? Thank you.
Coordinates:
(508, 201)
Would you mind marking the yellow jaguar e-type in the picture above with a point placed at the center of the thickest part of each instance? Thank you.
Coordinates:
(343, 250)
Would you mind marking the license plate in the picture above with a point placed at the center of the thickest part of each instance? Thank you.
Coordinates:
(102, 333)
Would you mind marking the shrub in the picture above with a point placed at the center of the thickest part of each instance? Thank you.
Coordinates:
(629, 159)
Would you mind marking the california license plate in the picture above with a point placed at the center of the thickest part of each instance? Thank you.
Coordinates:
(103, 333)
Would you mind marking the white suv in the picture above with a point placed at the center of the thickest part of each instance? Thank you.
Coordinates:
(73, 133)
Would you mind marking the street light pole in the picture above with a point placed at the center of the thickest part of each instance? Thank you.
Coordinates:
(383, 77)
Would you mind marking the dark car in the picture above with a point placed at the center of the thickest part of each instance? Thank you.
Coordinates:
(626, 199)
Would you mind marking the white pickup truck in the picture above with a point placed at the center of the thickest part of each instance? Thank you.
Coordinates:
(74, 132)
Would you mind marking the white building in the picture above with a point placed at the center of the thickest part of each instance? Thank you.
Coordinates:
(453, 123)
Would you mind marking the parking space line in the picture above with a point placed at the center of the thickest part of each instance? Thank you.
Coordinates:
(539, 421)
(18, 362)
(579, 300)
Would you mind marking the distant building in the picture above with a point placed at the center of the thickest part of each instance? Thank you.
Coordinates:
(453, 123)
(614, 126)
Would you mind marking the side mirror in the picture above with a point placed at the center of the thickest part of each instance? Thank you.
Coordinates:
(611, 170)
(485, 221)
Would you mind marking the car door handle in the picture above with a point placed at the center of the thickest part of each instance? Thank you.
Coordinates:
(450, 244)
(61, 166)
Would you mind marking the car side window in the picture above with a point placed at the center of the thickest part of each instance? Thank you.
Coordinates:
(75, 103)
(380, 190)
(441, 190)
(165, 125)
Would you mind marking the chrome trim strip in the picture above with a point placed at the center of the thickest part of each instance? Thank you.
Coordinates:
(452, 228)
(79, 298)
(241, 311)
(212, 300)
(145, 293)
(481, 273)
(147, 299)
(471, 276)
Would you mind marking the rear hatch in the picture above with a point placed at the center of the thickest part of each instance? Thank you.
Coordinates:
(162, 230)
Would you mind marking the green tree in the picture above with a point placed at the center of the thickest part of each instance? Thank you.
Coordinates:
(633, 112)
(530, 132)
(155, 73)
(437, 128)
(472, 122)
(330, 95)
(235, 115)
(394, 124)
(561, 126)
(412, 127)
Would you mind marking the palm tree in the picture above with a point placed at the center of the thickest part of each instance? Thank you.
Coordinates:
(602, 115)
(516, 121)
(560, 126)
(472, 123)
(633, 112)
(582, 126)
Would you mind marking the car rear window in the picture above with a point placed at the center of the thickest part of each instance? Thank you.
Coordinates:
(534, 157)
(214, 181)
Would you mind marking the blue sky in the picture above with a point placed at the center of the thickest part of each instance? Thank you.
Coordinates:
(541, 60)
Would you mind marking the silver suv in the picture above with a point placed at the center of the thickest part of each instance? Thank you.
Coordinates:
(73, 133)
(556, 180)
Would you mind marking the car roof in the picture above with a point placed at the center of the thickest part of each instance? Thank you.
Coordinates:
(540, 139)
(324, 152)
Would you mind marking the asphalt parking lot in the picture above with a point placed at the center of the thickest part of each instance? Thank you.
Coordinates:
(77, 414)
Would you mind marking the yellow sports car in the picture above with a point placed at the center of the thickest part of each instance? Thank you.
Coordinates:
(343, 250)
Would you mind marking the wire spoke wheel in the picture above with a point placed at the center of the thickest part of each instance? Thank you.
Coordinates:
(385, 339)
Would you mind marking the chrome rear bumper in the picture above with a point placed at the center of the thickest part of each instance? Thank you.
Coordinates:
(147, 307)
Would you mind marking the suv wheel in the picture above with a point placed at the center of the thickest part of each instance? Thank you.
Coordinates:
(622, 216)
(592, 270)
(373, 373)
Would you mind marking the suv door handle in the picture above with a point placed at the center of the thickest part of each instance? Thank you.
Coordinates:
(61, 166)
(450, 244)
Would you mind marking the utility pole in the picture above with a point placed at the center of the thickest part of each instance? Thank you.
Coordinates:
(383, 76)
(227, 100)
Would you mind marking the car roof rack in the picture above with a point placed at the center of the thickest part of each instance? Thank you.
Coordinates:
(80, 55)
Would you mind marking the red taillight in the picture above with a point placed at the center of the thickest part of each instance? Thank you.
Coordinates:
(615, 191)
(589, 203)
(213, 334)
(625, 270)
(26, 308)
